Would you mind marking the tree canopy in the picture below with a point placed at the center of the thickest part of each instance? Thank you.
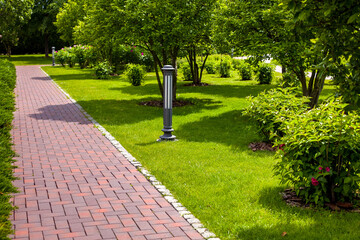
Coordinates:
(13, 14)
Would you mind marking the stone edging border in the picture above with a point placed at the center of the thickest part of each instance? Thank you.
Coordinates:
(187, 215)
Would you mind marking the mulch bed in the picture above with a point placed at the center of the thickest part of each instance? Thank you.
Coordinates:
(159, 103)
(196, 85)
(261, 146)
(291, 199)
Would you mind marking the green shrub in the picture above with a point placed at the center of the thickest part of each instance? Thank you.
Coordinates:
(264, 73)
(210, 67)
(84, 55)
(103, 70)
(270, 109)
(236, 63)
(60, 57)
(245, 71)
(7, 84)
(289, 80)
(135, 74)
(224, 68)
(186, 71)
(320, 154)
(7, 73)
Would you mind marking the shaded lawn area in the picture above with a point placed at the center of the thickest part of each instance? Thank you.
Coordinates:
(210, 170)
(31, 59)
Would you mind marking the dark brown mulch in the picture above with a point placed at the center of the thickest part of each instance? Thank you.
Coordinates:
(293, 200)
(263, 146)
(159, 103)
(196, 85)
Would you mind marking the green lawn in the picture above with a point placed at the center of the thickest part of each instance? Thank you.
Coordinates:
(32, 59)
(210, 170)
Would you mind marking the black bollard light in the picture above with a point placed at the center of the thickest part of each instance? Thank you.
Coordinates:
(168, 93)
(53, 56)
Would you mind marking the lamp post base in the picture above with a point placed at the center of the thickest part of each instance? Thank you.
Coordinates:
(167, 135)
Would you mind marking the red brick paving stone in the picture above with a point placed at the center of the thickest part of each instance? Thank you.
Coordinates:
(73, 183)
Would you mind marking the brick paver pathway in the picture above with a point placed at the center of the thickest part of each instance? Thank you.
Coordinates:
(73, 183)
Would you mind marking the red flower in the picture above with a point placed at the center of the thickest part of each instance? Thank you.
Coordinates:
(314, 182)
(327, 169)
(320, 168)
(281, 146)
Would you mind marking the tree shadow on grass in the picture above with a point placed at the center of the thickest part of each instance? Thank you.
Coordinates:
(116, 112)
(227, 91)
(300, 223)
(229, 128)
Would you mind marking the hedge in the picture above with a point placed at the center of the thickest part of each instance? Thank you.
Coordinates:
(7, 107)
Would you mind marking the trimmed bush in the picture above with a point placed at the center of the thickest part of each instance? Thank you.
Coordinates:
(84, 55)
(7, 106)
(320, 154)
(264, 73)
(210, 67)
(135, 74)
(270, 109)
(224, 68)
(186, 71)
(245, 71)
(103, 70)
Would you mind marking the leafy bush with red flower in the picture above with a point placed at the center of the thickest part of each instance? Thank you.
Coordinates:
(320, 154)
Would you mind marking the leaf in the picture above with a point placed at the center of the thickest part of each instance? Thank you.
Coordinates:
(353, 18)
(347, 180)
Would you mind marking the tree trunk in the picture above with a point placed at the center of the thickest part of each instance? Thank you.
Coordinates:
(157, 64)
(46, 44)
(8, 50)
(174, 54)
(319, 81)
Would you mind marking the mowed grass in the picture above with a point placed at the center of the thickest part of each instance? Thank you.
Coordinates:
(31, 59)
(210, 170)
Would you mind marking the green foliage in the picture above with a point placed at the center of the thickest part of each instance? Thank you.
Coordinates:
(210, 67)
(68, 17)
(245, 70)
(103, 70)
(289, 80)
(264, 73)
(320, 154)
(270, 109)
(135, 74)
(258, 28)
(7, 73)
(224, 68)
(7, 84)
(186, 71)
(14, 14)
(84, 55)
(60, 57)
(347, 78)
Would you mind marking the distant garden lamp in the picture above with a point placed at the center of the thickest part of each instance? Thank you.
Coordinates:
(53, 56)
(168, 93)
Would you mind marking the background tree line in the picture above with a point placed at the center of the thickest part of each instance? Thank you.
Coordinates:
(310, 39)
